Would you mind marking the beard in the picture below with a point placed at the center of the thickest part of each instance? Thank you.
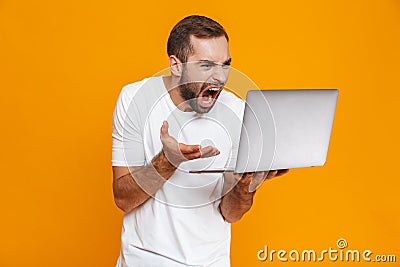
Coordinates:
(192, 93)
(188, 92)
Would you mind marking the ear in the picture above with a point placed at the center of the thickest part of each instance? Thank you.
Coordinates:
(175, 65)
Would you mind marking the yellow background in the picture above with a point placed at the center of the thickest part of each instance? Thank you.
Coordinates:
(63, 63)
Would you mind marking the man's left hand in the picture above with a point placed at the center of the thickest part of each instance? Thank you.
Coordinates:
(249, 182)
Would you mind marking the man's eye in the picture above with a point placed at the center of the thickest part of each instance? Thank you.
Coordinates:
(206, 65)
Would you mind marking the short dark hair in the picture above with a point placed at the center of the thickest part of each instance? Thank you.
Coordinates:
(198, 26)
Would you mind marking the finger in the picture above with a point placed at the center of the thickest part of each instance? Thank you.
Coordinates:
(271, 174)
(282, 172)
(210, 154)
(164, 130)
(203, 153)
(259, 177)
(257, 180)
(194, 155)
(209, 151)
(248, 175)
(185, 149)
(237, 176)
(246, 178)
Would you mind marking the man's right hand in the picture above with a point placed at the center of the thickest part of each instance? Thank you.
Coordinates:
(132, 186)
(177, 153)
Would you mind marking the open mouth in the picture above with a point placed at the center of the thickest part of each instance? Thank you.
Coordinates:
(208, 96)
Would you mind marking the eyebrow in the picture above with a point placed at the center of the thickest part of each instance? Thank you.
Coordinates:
(226, 62)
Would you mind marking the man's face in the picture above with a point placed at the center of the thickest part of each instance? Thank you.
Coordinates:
(205, 73)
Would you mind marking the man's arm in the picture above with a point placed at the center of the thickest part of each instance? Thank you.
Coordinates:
(239, 200)
(132, 186)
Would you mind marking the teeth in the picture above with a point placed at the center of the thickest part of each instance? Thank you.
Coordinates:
(208, 100)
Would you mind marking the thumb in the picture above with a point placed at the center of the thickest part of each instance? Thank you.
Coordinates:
(164, 130)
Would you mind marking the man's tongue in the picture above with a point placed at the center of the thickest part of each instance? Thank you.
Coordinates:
(206, 99)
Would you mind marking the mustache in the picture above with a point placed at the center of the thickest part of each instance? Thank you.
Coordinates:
(219, 84)
(204, 84)
(211, 84)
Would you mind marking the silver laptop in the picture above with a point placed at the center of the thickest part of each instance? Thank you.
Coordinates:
(284, 129)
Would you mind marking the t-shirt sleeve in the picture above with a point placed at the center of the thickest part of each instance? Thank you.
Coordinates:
(127, 137)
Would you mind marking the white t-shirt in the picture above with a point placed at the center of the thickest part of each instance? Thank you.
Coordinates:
(181, 225)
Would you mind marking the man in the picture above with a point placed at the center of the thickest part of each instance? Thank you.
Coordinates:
(164, 126)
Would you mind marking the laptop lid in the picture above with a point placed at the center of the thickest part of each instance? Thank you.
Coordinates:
(285, 129)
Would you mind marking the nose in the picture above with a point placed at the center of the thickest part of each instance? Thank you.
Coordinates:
(219, 74)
